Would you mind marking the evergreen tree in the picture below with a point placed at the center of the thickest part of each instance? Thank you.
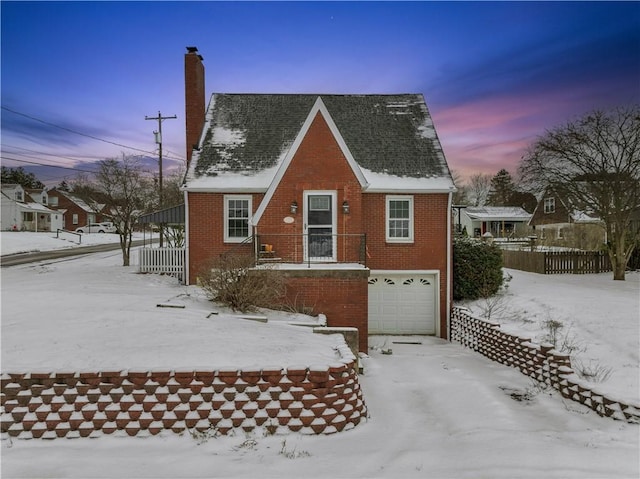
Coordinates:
(20, 177)
(502, 188)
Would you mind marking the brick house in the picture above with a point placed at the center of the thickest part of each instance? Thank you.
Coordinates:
(349, 195)
(76, 211)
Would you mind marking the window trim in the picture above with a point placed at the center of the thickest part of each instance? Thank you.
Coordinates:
(551, 202)
(236, 239)
(388, 200)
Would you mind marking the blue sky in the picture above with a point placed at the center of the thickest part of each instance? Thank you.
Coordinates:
(495, 75)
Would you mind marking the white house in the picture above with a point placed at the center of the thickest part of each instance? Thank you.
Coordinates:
(21, 213)
(500, 221)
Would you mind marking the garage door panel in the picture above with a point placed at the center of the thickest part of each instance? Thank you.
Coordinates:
(402, 304)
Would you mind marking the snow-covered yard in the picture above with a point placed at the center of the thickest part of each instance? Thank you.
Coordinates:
(436, 409)
(590, 316)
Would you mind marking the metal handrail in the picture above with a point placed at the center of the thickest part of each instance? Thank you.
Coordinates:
(70, 232)
(304, 237)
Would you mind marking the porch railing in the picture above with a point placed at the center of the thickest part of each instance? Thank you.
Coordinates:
(310, 248)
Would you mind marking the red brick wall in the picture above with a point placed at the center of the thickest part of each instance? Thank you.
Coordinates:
(428, 250)
(206, 230)
(341, 296)
(319, 164)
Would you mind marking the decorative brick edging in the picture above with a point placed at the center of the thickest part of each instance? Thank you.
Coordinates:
(310, 400)
(539, 361)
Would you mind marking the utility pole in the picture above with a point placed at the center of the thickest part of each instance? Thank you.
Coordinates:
(158, 135)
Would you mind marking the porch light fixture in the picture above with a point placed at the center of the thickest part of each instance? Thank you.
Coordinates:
(294, 207)
(345, 207)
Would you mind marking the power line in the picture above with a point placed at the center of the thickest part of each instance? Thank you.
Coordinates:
(41, 152)
(75, 132)
(25, 155)
(50, 166)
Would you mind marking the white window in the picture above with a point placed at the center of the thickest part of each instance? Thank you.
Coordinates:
(549, 205)
(237, 212)
(75, 218)
(53, 201)
(18, 195)
(399, 219)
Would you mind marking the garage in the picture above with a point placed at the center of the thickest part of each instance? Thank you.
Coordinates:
(402, 303)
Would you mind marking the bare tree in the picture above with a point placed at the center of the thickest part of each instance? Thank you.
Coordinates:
(172, 194)
(128, 192)
(460, 196)
(595, 162)
(478, 188)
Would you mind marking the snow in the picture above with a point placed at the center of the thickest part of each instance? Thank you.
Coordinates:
(506, 213)
(436, 409)
(600, 320)
(26, 242)
(383, 182)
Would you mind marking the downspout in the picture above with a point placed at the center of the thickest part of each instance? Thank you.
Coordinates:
(449, 258)
(187, 278)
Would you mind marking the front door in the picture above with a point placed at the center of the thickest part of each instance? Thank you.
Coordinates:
(319, 226)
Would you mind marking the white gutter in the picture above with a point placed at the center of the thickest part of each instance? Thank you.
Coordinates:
(449, 258)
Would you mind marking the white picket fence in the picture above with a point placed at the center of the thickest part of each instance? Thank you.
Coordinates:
(169, 261)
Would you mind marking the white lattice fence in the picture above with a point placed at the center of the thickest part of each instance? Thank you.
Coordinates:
(169, 261)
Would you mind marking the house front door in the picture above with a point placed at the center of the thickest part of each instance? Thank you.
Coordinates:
(319, 226)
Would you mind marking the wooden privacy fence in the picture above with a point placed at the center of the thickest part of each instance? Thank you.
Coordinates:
(556, 262)
(169, 261)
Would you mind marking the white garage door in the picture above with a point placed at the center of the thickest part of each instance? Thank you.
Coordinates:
(402, 304)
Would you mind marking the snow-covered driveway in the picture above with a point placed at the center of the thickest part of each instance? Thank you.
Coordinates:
(436, 410)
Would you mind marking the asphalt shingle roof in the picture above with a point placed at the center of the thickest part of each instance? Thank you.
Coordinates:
(386, 134)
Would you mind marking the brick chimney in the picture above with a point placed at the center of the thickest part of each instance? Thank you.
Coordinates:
(193, 98)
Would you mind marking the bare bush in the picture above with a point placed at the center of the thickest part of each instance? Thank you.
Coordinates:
(593, 371)
(495, 305)
(234, 281)
(552, 327)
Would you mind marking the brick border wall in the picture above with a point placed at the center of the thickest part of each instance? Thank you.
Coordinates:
(539, 361)
(310, 400)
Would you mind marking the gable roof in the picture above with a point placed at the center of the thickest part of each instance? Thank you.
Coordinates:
(74, 199)
(247, 137)
(8, 187)
(576, 215)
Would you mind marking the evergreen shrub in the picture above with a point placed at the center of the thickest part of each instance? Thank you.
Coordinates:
(477, 269)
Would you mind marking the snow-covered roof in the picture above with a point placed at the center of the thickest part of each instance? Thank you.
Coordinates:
(11, 187)
(497, 213)
(77, 200)
(247, 137)
(582, 217)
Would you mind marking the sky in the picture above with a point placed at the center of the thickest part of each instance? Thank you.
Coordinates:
(79, 78)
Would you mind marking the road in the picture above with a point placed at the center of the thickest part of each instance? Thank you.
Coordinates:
(24, 258)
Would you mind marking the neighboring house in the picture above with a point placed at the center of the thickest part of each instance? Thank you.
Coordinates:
(500, 221)
(76, 211)
(349, 194)
(554, 216)
(21, 212)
